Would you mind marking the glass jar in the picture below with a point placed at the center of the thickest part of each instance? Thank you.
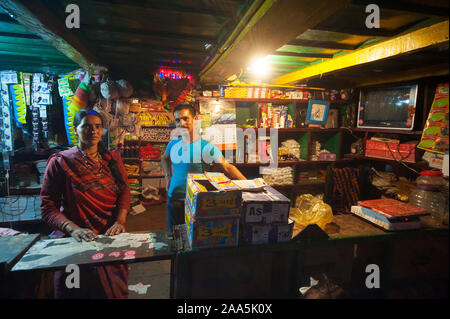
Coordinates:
(428, 194)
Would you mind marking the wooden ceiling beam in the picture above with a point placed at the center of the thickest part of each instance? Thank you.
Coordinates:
(322, 44)
(303, 55)
(112, 44)
(149, 33)
(37, 17)
(149, 49)
(408, 7)
(163, 6)
(407, 43)
(151, 56)
(406, 75)
(383, 33)
(267, 26)
(380, 33)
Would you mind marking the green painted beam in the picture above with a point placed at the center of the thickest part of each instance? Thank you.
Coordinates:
(19, 35)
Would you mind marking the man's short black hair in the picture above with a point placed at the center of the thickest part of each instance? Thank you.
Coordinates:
(189, 107)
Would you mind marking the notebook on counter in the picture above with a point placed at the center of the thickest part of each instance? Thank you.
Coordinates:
(392, 208)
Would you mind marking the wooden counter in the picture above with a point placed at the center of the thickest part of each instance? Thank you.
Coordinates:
(408, 261)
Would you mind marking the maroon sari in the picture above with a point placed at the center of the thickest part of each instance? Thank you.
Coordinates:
(89, 196)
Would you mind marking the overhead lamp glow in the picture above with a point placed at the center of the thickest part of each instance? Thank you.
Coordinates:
(259, 67)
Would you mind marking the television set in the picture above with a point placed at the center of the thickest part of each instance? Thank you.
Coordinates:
(387, 107)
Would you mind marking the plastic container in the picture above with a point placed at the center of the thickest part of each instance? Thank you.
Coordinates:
(429, 195)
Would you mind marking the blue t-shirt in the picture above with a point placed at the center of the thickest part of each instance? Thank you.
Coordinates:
(188, 158)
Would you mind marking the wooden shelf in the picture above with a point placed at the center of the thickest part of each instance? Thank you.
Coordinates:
(291, 163)
(299, 185)
(373, 130)
(157, 126)
(369, 158)
(133, 176)
(152, 176)
(25, 191)
(207, 98)
(308, 129)
(155, 142)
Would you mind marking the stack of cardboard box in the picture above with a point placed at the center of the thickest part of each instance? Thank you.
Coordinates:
(265, 217)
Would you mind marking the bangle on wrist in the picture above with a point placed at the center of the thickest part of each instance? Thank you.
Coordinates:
(64, 225)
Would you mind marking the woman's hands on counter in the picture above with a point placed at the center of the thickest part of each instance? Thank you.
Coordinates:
(83, 233)
(115, 229)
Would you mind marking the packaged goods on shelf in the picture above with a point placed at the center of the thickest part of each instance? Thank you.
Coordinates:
(159, 183)
(155, 134)
(271, 116)
(394, 151)
(212, 216)
(131, 169)
(135, 191)
(295, 95)
(151, 168)
(281, 176)
(154, 119)
(150, 152)
(292, 148)
(315, 175)
(130, 148)
(258, 93)
(319, 154)
(236, 92)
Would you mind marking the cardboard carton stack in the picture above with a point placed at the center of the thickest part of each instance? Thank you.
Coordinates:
(212, 211)
(265, 217)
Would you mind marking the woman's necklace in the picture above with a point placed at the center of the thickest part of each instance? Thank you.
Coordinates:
(88, 165)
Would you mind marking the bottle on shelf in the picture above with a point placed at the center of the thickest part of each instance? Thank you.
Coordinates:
(429, 194)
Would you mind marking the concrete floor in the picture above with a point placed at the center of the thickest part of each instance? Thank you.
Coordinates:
(149, 280)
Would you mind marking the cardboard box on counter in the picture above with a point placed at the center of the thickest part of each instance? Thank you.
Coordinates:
(254, 234)
(212, 216)
(204, 200)
(265, 207)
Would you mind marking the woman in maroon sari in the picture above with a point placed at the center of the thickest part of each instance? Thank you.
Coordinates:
(84, 194)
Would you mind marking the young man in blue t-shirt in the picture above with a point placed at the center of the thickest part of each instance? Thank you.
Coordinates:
(188, 154)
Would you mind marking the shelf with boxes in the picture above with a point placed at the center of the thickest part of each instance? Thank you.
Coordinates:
(380, 144)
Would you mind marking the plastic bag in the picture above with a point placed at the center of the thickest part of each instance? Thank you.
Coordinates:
(312, 210)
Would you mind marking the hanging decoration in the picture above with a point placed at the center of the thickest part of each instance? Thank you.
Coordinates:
(6, 143)
(69, 109)
(26, 82)
(173, 86)
(435, 134)
(125, 88)
(19, 104)
(35, 123)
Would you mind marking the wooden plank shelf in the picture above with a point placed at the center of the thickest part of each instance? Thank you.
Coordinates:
(423, 164)
(257, 100)
(373, 130)
(292, 163)
(299, 185)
